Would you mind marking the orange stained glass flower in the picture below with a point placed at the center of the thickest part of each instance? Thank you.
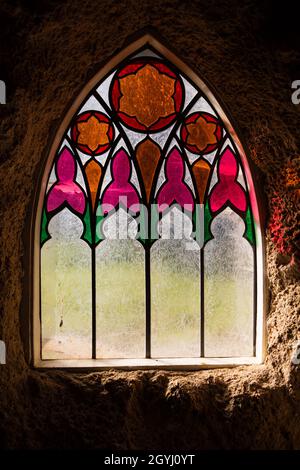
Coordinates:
(92, 133)
(201, 133)
(147, 95)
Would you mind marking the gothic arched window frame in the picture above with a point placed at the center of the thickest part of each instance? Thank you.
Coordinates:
(146, 41)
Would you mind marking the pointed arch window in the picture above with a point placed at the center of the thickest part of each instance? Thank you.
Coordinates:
(148, 248)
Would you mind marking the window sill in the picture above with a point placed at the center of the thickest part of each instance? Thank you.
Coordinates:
(159, 363)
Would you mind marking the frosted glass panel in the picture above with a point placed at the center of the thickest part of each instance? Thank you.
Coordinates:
(228, 291)
(120, 288)
(66, 302)
(175, 293)
(119, 226)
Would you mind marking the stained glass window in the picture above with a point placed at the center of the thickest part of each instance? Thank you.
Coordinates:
(150, 243)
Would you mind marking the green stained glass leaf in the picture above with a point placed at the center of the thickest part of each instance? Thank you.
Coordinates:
(45, 235)
(207, 220)
(249, 232)
(87, 235)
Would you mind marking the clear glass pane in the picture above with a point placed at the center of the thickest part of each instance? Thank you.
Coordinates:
(175, 290)
(120, 293)
(66, 301)
(228, 291)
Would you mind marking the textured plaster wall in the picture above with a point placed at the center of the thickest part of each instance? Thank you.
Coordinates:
(250, 53)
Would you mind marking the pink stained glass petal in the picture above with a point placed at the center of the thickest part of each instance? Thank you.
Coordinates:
(120, 191)
(65, 166)
(228, 167)
(175, 189)
(66, 190)
(227, 190)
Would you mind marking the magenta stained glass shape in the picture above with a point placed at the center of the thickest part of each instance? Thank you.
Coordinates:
(120, 191)
(66, 190)
(228, 190)
(175, 189)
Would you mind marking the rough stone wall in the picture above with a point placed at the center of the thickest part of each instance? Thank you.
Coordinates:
(250, 53)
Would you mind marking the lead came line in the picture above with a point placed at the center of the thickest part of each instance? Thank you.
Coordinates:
(202, 352)
(148, 300)
(93, 301)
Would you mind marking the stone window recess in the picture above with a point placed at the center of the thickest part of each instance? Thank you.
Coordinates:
(147, 238)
